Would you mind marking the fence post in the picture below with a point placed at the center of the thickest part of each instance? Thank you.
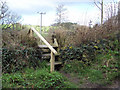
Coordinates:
(52, 61)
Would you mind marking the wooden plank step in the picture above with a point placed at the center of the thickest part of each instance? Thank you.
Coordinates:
(45, 46)
(56, 63)
(48, 55)
(46, 50)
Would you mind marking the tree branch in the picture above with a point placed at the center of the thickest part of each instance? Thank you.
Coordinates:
(97, 5)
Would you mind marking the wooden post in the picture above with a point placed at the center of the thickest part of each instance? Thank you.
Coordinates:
(52, 61)
(55, 42)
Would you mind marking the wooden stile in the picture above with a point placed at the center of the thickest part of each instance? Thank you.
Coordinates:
(53, 51)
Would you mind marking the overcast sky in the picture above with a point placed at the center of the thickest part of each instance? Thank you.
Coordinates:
(78, 11)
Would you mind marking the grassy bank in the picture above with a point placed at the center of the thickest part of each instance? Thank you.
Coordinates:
(39, 78)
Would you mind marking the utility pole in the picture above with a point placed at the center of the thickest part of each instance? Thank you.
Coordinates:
(41, 13)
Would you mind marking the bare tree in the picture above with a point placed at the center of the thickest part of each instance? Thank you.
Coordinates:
(111, 14)
(101, 8)
(119, 14)
(111, 9)
(7, 18)
(60, 12)
(3, 10)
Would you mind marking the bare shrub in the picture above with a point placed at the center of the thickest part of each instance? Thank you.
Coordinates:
(16, 39)
(96, 33)
(61, 36)
(83, 34)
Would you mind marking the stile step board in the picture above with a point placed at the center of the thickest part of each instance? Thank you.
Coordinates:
(45, 46)
(47, 56)
(56, 63)
(46, 50)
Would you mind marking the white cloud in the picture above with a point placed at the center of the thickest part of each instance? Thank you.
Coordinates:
(24, 7)
(29, 20)
(83, 14)
(76, 13)
(29, 3)
(47, 19)
(22, 4)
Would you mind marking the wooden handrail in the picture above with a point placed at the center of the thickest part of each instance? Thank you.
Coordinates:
(55, 42)
(43, 39)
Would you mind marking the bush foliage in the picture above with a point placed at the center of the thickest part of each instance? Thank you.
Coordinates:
(97, 61)
(87, 52)
(14, 60)
(19, 50)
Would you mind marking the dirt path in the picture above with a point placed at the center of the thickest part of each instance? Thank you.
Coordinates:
(71, 78)
(87, 84)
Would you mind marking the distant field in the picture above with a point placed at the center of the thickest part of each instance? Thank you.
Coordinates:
(44, 28)
(16, 26)
(37, 27)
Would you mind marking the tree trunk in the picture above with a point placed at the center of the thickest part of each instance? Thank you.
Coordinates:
(119, 15)
(102, 12)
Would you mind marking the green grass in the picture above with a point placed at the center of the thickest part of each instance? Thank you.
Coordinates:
(92, 75)
(96, 73)
(40, 78)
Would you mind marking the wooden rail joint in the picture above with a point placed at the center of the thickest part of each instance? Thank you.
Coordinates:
(43, 39)
(54, 40)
